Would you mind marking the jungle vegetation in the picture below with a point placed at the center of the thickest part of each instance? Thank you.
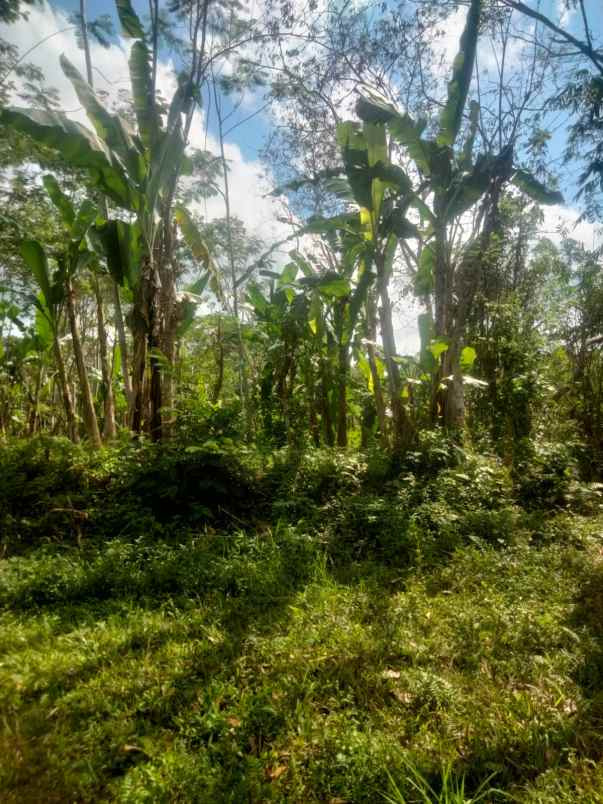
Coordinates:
(254, 544)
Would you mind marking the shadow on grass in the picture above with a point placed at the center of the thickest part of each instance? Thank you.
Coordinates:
(243, 588)
(588, 618)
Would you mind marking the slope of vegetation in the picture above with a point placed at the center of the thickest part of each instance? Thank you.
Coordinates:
(358, 631)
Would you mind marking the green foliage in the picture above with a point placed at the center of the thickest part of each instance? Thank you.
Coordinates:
(54, 491)
(545, 477)
(462, 73)
(248, 666)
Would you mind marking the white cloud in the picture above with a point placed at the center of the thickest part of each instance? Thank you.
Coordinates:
(560, 221)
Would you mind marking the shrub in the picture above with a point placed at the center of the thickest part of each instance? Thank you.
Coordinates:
(543, 479)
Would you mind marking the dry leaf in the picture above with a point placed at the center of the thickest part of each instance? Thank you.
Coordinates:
(390, 674)
(130, 748)
(276, 773)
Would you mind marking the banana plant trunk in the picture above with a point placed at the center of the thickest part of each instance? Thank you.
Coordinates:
(123, 346)
(342, 404)
(35, 403)
(90, 421)
(70, 417)
(325, 403)
(146, 389)
(168, 320)
(448, 403)
(217, 387)
(109, 427)
(311, 402)
(454, 399)
(402, 434)
(371, 314)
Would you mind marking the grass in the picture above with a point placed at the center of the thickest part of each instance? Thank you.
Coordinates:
(250, 667)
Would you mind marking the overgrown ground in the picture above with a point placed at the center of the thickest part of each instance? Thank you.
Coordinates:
(341, 631)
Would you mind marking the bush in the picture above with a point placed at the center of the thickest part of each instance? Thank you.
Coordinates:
(52, 490)
(197, 485)
(45, 485)
(543, 479)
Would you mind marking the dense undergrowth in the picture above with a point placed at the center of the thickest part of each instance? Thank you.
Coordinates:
(210, 624)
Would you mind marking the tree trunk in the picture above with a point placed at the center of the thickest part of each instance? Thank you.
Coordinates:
(217, 388)
(377, 387)
(454, 400)
(90, 422)
(325, 403)
(342, 406)
(141, 325)
(70, 417)
(109, 428)
(156, 396)
(35, 402)
(139, 361)
(311, 399)
(123, 348)
(402, 434)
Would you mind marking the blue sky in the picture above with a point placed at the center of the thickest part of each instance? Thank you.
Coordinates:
(249, 137)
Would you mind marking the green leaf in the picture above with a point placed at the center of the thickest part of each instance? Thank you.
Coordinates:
(401, 127)
(372, 108)
(199, 286)
(365, 368)
(359, 296)
(462, 71)
(336, 288)
(130, 23)
(423, 281)
(59, 199)
(408, 133)
(425, 326)
(165, 167)
(35, 257)
(302, 263)
(147, 118)
(438, 346)
(192, 236)
(121, 245)
(75, 142)
(315, 314)
(397, 223)
(355, 155)
(83, 220)
(467, 359)
(254, 295)
(534, 189)
(466, 190)
(466, 155)
(320, 225)
(78, 146)
(288, 275)
(393, 176)
(44, 325)
(111, 129)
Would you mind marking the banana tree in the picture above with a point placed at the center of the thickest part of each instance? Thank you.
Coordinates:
(71, 260)
(49, 304)
(136, 172)
(449, 185)
(379, 195)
